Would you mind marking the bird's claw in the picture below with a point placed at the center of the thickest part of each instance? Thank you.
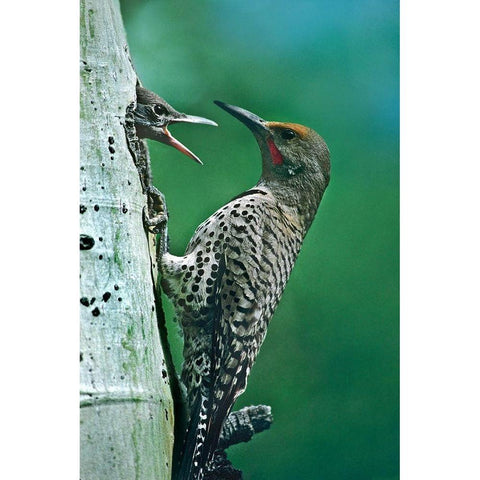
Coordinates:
(155, 214)
(156, 223)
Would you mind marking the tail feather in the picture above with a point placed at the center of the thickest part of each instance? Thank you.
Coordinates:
(192, 463)
(206, 413)
(203, 434)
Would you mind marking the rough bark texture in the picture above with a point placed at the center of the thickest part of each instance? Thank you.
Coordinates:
(126, 404)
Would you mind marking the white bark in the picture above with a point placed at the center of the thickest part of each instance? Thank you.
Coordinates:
(126, 406)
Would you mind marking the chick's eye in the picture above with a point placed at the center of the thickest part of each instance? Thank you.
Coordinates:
(159, 109)
(288, 134)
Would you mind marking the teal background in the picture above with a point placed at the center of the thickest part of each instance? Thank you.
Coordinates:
(330, 364)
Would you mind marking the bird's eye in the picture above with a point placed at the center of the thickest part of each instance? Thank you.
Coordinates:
(288, 134)
(159, 109)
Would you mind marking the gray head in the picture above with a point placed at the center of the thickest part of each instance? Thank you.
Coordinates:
(153, 115)
(295, 159)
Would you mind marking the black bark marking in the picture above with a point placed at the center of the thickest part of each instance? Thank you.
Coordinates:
(86, 242)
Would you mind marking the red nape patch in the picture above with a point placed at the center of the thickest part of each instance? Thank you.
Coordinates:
(277, 158)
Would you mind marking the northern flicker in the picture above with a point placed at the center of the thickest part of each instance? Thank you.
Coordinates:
(153, 115)
(227, 285)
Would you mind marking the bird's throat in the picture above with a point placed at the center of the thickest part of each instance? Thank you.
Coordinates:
(277, 158)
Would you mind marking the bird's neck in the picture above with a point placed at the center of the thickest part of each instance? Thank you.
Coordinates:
(301, 201)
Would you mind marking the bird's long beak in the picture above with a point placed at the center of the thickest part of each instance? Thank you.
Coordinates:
(184, 118)
(253, 122)
(167, 138)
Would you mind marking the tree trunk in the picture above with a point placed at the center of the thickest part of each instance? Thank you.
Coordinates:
(126, 405)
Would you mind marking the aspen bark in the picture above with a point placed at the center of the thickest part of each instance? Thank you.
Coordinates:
(126, 410)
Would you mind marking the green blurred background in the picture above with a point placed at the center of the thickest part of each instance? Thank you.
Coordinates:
(330, 364)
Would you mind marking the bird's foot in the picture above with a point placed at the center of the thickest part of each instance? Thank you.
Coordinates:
(220, 468)
(155, 214)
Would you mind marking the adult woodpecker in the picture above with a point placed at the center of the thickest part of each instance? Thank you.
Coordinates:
(153, 115)
(230, 280)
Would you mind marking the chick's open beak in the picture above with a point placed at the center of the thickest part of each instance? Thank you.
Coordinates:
(160, 133)
(168, 139)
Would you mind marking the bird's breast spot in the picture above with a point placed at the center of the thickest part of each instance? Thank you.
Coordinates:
(277, 158)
